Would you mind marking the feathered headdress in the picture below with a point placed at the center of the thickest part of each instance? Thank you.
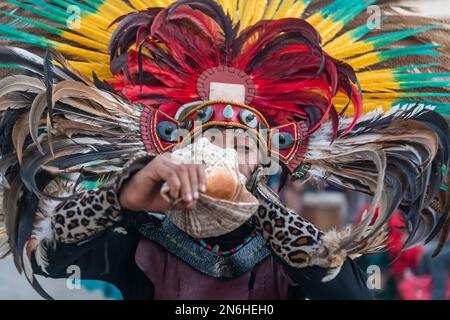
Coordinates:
(314, 83)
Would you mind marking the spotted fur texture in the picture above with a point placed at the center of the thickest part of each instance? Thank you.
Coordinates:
(290, 236)
(296, 241)
(84, 216)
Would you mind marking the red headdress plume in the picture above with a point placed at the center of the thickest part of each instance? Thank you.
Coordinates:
(159, 56)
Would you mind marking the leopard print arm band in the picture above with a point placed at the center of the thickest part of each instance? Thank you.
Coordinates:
(93, 211)
(297, 242)
(89, 213)
(292, 238)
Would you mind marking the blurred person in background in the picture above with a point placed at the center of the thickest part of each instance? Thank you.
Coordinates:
(327, 209)
(432, 274)
(395, 263)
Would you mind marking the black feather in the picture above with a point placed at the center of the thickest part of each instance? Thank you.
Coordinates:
(215, 11)
(48, 81)
(7, 122)
(27, 60)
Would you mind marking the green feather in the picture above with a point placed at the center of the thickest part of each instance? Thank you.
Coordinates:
(24, 37)
(50, 8)
(420, 76)
(389, 38)
(426, 49)
(10, 66)
(35, 23)
(47, 15)
(425, 84)
(416, 66)
(437, 106)
(67, 4)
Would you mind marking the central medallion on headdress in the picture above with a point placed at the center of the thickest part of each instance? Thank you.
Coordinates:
(226, 83)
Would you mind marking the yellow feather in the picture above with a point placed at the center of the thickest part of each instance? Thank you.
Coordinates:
(350, 50)
(232, 7)
(315, 19)
(270, 12)
(166, 3)
(381, 86)
(225, 4)
(368, 107)
(138, 4)
(339, 43)
(105, 14)
(260, 8)
(328, 29)
(116, 7)
(364, 60)
(81, 53)
(333, 31)
(371, 102)
(384, 95)
(375, 76)
(283, 9)
(246, 11)
(93, 33)
(102, 28)
(97, 20)
(241, 11)
(155, 3)
(86, 68)
(84, 41)
(296, 11)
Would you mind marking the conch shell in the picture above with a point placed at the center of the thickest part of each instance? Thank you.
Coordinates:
(226, 205)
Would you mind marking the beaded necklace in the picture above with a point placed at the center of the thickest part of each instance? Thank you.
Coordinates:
(221, 253)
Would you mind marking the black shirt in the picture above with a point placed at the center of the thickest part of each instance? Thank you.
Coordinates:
(110, 257)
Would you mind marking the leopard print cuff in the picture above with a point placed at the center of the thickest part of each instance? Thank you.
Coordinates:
(292, 238)
(93, 211)
(89, 213)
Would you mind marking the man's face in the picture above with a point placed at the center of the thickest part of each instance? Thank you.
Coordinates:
(245, 145)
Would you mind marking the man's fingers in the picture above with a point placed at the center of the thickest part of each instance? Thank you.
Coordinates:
(173, 180)
(201, 176)
(193, 177)
(185, 180)
(186, 190)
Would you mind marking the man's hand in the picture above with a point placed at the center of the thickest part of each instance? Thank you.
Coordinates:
(142, 192)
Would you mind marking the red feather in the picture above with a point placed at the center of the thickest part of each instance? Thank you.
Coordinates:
(293, 77)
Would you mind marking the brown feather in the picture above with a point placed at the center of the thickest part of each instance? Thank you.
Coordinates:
(19, 134)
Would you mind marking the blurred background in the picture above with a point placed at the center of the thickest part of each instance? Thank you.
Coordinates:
(410, 275)
(15, 287)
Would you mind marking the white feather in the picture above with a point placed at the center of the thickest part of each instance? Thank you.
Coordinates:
(424, 8)
(42, 233)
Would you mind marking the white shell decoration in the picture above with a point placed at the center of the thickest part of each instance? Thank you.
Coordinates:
(226, 205)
